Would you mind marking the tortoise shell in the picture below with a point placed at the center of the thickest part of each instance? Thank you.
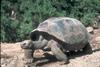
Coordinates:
(68, 30)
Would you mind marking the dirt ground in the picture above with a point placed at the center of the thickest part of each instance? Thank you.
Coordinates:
(12, 56)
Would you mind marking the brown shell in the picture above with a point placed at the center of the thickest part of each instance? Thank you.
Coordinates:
(66, 29)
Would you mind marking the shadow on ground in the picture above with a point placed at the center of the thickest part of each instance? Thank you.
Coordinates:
(52, 59)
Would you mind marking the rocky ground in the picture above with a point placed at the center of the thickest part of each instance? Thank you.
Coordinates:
(12, 56)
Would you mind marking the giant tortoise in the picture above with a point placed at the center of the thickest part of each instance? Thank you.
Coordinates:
(57, 34)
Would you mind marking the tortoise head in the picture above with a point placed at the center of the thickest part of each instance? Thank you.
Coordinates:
(37, 40)
(27, 44)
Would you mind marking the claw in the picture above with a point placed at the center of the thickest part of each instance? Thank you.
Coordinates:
(81, 49)
(67, 50)
(76, 50)
(27, 61)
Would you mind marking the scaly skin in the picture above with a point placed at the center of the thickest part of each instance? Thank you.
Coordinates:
(28, 55)
(53, 45)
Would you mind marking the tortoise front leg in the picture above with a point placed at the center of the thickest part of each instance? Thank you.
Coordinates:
(28, 55)
(58, 53)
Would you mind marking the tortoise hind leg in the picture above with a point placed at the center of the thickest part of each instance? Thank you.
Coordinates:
(58, 53)
(88, 49)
